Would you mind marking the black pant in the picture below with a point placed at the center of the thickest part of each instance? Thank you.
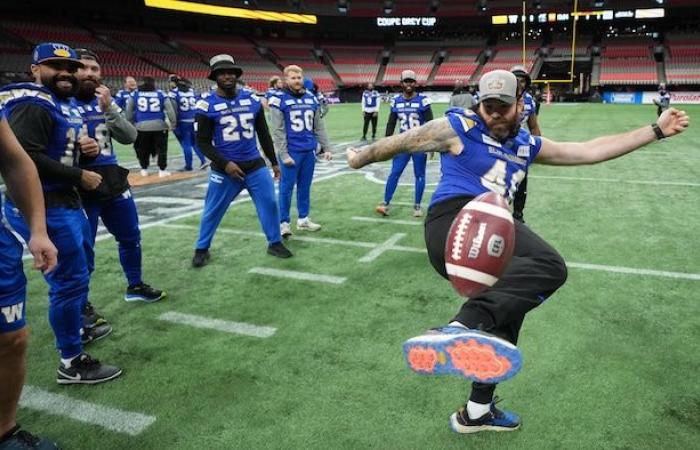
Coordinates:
(373, 118)
(152, 143)
(535, 272)
(519, 200)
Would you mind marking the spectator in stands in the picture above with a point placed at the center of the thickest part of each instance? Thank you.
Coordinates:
(184, 99)
(147, 109)
(461, 98)
(410, 110)
(663, 101)
(528, 121)
(297, 129)
(123, 94)
(370, 110)
(23, 185)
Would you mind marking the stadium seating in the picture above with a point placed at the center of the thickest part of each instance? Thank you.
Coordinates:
(460, 64)
(354, 64)
(418, 58)
(300, 52)
(508, 56)
(683, 63)
(628, 60)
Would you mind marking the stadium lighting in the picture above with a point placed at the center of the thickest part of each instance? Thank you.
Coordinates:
(598, 3)
(537, 4)
(482, 5)
(433, 6)
(226, 11)
(343, 6)
(388, 7)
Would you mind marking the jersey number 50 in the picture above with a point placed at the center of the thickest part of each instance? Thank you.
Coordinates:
(300, 124)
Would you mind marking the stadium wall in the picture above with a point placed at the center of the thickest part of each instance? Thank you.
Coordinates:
(647, 97)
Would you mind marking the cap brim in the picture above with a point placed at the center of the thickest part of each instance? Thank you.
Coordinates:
(77, 62)
(408, 79)
(504, 98)
(238, 71)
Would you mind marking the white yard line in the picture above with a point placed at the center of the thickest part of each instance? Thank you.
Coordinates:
(113, 419)
(388, 221)
(295, 275)
(383, 247)
(227, 326)
(633, 271)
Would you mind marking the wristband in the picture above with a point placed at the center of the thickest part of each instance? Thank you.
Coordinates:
(657, 131)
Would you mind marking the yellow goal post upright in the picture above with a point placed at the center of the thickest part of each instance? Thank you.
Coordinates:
(575, 16)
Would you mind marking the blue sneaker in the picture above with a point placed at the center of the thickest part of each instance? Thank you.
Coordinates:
(471, 354)
(143, 293)
(494, 420)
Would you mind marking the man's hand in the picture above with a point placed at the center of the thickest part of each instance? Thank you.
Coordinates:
(104, 97)
(234, 171)
(288, 161)
(327, 156)
(673, 122)
(88, 146)
(43, 251)
(353, 158)
(276, 172)
(90, 180)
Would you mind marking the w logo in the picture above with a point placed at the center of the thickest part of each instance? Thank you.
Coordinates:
(13, 313)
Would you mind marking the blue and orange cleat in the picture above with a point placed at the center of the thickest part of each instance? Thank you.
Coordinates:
(471, 354)
(494, 420)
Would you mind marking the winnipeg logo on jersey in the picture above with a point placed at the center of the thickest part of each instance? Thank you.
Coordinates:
(13, 313)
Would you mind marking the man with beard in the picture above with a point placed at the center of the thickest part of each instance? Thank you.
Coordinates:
(486, 151)
(411, 110)
(370, 110)
(48, 125)
(124, 94)
(461, 98)
(228, 122)
(113, 201)
(528, 120)
(22, 180)
(297, 131)
(184, 99)
(147, 108)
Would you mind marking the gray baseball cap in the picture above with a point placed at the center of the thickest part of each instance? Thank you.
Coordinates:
(408, 75)
(499, 84)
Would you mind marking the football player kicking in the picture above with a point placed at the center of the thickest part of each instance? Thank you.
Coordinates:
(297, 129)
(112, 201)
(20, 175)
(482, 151)
(48, 125)
(411, 110)
(232, 118)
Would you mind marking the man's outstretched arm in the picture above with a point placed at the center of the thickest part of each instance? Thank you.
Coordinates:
(435, 136)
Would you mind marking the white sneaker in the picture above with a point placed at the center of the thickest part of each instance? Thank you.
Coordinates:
(144, 172)
(417, 211)
(163, 173)
(285, 229)
(306, 224)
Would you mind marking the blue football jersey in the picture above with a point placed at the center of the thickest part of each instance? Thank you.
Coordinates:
(528, 109)
(370, 100)
(67, 123)
(121, 97)
(299, 114)
(410, 111)
(149, 105)
(186, 102)
(94, 119)
(484, 164)
(234, 124)
(272, 92)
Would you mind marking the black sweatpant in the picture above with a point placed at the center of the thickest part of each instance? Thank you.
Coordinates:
(535, 272)
(152, 143)
(519, 200)
(370, 117)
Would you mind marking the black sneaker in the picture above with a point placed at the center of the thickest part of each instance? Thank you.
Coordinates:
(494, 420)
(279, 250)
(91, 318)
(200, 258)
(518, 215)
(85, 370)
(93, 334)
(143, 293)
(18, 439)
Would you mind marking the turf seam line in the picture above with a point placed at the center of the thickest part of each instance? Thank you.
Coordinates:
(295, 275)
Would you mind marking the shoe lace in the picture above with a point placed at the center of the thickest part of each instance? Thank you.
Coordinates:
(87, 361)
(497, 413)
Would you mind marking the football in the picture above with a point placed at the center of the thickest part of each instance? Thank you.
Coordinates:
(479, 244)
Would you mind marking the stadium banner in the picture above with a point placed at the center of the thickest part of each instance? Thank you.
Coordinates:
(647, 97)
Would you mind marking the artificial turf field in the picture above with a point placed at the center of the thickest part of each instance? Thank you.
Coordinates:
(611, 360)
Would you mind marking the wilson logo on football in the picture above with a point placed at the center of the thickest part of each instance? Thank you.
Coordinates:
(495, 246)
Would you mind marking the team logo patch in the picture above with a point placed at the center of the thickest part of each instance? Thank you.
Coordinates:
(496, 85)
(220, 106)
(61, 50)
(524, 151)
(245, 102)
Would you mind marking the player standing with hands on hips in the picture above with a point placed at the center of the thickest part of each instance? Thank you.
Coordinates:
(486, 150)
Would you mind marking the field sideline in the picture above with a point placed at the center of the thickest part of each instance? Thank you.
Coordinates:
(253, 352)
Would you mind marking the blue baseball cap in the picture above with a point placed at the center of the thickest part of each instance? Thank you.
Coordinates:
(54, 51)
